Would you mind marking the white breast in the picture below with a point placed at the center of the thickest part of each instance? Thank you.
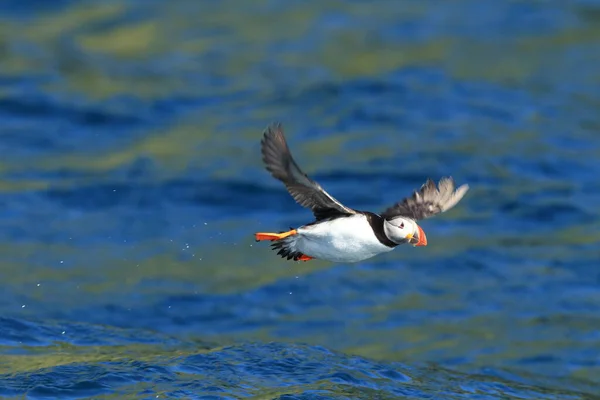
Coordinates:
(346, 239)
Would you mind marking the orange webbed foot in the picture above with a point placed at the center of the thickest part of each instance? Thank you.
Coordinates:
(304, 258)
(260, 236)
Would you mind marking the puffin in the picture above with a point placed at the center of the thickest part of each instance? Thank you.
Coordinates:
(341, 234)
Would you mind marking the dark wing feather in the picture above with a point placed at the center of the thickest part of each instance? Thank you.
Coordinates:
(281, 164)
(428, 201)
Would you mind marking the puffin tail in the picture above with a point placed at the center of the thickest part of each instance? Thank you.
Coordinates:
(287, 249)
(285, 244)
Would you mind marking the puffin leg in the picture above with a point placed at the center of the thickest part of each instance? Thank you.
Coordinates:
(273, 236)
(304, 257)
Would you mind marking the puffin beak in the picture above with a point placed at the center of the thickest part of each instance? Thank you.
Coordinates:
(422, 238)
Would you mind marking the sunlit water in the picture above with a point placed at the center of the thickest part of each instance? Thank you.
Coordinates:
(132, 183)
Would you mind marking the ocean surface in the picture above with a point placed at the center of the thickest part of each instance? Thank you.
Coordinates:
(131, 185)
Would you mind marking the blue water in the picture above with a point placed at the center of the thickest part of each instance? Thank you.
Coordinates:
(132, 183)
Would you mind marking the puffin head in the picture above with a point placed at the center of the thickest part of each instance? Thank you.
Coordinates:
(404, 230)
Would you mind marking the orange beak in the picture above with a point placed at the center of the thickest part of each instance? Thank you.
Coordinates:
(422, 238)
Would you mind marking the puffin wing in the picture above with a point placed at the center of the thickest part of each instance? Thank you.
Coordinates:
(308, 193)
(428, 201)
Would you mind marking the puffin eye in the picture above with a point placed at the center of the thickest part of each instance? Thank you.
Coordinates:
(402, 225)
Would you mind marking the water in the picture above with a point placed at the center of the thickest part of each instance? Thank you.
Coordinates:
(131, 184)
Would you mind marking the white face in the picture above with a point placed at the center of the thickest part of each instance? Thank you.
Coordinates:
(401, 230)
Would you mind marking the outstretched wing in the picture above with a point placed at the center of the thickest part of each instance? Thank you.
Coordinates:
(428, 201)
(281, 164)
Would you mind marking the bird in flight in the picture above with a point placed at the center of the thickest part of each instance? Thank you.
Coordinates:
(340, 233)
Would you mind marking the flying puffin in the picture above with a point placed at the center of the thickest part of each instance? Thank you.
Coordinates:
(340, 233)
